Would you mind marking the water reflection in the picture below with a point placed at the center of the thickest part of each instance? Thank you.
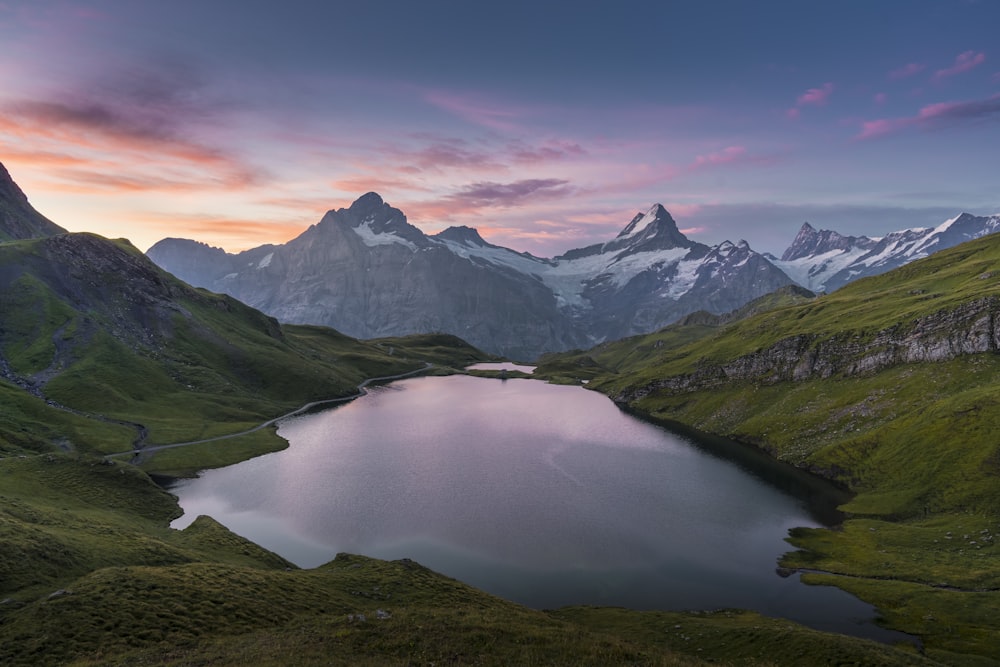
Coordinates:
(547, 495)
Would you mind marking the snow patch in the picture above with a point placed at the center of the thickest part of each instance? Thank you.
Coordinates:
(813, 272)
(646, 220)
(371, 238)
(266, 262)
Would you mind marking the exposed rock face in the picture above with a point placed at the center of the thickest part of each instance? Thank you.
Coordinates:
(825, 260)
(367, 272)
(18, 219)
(971, 328)
(117, 288)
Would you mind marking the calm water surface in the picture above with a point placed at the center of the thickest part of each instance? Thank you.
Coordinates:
(547, 495)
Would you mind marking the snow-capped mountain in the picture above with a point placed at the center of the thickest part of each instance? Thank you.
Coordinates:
(824, 260)
(366, 271)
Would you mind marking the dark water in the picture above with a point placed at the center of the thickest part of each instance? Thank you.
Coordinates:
(547, 495)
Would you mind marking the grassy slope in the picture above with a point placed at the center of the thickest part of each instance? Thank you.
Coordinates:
(916, 442)
(125, 340)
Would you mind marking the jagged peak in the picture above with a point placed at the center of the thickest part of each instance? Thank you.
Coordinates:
(810, 241)
(657, 217)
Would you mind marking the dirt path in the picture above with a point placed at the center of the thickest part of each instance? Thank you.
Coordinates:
(138, 453)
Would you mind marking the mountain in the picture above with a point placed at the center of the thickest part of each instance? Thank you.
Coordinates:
(18, 219)
(366, 271)
(92, 327)
(825, 260)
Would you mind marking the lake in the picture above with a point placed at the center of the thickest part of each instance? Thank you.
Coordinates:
(543, 494)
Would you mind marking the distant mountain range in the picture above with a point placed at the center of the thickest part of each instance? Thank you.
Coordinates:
(366, 271)
(824, 260)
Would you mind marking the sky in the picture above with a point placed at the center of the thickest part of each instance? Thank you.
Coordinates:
(546, 125)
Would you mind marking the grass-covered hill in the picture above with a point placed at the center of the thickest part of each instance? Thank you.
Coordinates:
(134, 355)
(890, 385)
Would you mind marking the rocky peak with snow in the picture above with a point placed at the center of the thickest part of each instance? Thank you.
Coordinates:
(366, 271)
(653, 230)
(825, 260)
(810, 241)
(467, 236)
(376, 222)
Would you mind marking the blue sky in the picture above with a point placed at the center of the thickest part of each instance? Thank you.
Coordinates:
(545, 125)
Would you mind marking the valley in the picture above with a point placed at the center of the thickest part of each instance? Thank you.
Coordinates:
(886, 386)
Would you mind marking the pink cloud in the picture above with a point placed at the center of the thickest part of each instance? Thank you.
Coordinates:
(816, 96)
(934, 116)
(812, 97)
(475, 111)
(963, 63)
(907, 70)
(881, 98)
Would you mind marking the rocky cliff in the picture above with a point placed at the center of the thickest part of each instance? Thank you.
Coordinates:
(970, 328)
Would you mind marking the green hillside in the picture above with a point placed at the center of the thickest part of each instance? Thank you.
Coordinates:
(93, 326)
(891, 385)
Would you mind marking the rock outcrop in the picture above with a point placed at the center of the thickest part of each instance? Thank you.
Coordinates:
(971, 328)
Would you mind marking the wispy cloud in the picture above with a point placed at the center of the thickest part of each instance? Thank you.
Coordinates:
(812, 97)
(234, 234)
(880, 98)
(907, 70)
(476, 110)
(548, 151)
(934, 116)
(964, 62)
(139, 123)
(816, 96)
(504, 195)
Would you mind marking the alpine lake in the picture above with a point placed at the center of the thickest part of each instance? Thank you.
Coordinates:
(547, 495)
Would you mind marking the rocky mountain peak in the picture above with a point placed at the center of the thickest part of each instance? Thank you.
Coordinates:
(367, 204)
(810, 242)
(18, 219)
(653, 230)
(468, 236)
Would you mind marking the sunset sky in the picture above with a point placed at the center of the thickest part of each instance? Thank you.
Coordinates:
(547, 125)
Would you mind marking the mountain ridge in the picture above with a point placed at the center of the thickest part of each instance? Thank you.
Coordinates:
(18, 218)
(824, 260)
(366, 271)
